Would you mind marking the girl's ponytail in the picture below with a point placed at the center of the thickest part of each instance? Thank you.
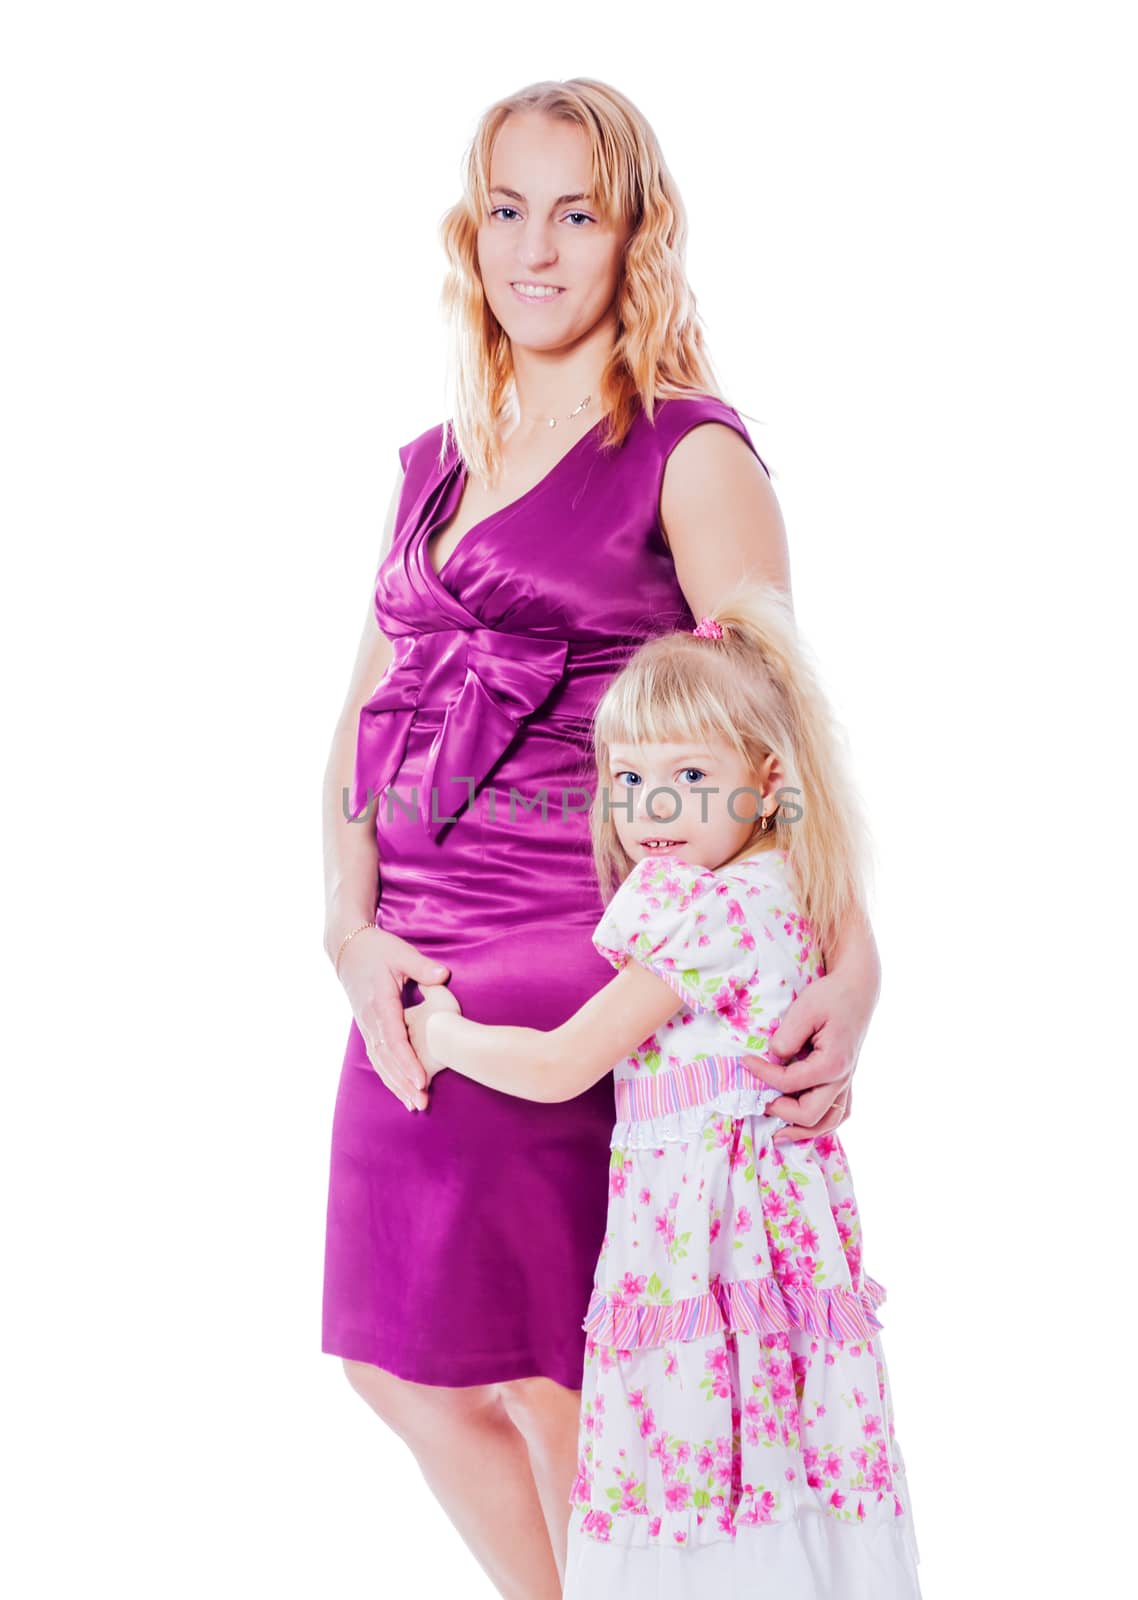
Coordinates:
(752, 683)
(820, 822)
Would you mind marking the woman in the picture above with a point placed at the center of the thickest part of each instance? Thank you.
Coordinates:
(591, 490)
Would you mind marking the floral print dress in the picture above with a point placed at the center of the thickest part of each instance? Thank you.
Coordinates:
(736, 1433)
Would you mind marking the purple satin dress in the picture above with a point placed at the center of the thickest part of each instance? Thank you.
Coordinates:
(461, 1241)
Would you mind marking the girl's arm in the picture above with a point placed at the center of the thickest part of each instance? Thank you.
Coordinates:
(563, 1062)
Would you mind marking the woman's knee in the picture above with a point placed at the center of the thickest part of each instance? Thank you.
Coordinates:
(416, 1410)
(539, 1406)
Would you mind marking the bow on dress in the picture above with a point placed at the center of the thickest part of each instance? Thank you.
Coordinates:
(506, 677)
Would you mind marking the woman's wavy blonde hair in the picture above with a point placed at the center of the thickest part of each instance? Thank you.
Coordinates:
(659, 349)
(757, 690)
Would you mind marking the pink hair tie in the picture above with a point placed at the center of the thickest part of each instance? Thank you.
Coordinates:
(708, 628)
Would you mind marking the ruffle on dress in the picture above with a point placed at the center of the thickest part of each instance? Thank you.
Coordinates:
(688, 1122)
(750, 1305)
(805, 1554)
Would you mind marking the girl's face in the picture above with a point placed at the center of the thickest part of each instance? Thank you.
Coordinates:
(656, 803)
(546, 233)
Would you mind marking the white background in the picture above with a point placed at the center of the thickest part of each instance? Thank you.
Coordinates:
(909, 244)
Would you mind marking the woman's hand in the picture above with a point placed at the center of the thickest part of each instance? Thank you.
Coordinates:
(436, 997)
(832, 1016)
(373, 970)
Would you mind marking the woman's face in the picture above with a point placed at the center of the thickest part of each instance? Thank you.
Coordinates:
(546, 232)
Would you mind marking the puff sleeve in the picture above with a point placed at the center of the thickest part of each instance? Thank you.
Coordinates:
(729, 946)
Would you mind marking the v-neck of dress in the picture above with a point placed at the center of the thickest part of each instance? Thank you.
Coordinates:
(446, 509)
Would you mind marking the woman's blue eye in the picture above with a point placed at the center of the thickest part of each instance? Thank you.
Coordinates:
(496, 209)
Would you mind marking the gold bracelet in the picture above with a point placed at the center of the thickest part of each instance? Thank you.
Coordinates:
(346, 938)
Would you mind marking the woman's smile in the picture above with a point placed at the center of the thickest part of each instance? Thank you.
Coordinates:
(536, 293)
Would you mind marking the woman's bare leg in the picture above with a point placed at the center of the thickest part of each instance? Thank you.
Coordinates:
(547, 1416)
(478, 1467)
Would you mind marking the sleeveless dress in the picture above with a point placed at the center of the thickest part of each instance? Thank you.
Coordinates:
(736, 1435)
(461, 1241)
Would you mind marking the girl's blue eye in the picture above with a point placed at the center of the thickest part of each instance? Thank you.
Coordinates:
(699, 773)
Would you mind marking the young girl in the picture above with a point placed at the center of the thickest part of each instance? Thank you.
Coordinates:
(736, 1435)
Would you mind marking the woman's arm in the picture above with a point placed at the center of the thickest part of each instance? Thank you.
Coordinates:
(723, 523)
(373, 966)
(832, 1014)
(351, 857)
(720, 517)
(563, 1062)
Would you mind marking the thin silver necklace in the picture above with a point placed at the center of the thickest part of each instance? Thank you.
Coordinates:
(553, 420)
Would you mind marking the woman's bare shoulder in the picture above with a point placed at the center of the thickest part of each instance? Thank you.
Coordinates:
(720, 516)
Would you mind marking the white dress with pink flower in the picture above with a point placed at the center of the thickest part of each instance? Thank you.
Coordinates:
(737, 1437)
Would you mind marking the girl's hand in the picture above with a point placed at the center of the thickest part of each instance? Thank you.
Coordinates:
(373, 970)
(436, 997)
(831, 1018)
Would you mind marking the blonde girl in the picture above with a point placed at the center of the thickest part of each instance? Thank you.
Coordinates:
(736, 1434)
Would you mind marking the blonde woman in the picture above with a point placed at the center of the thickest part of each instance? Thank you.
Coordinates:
(591, 490)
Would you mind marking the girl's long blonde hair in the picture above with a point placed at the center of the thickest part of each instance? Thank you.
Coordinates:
(757, 690)
(659, 350)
